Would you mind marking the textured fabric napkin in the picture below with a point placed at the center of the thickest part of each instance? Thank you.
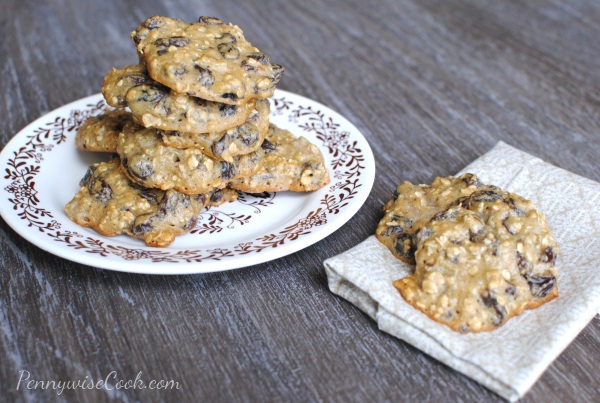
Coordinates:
(510, 359)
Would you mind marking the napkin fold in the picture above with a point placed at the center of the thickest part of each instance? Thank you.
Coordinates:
(510, 359)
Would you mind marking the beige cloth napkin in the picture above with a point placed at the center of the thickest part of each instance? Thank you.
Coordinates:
(508, 360)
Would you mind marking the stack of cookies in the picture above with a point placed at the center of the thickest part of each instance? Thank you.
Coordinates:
(481, 254)
(191, 128)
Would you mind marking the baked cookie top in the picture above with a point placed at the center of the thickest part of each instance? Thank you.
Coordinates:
(118, 82)
(111, 204)
(100, 133)
(228, 144)
(290, 163)
(412, 206)
(154, 105)
(149, 162)
(207, 59)
(485, 259)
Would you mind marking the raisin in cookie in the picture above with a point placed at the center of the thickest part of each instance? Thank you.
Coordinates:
(111, 204)
(222, 196)
(413, 206)
(290, 163)
(100, 133)
(207, 59)
(150, 163)
(485, 259)
(226, 145)
(154, 105)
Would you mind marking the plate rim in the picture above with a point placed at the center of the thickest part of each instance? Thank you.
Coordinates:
(180, 268)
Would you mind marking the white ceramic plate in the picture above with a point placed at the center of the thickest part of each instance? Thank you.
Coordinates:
(42, 168)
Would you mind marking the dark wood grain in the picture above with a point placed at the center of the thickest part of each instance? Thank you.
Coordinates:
(432, 84)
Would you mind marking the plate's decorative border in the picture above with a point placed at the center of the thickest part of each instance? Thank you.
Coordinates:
(212, 221)
(25, 165)
(347, 166)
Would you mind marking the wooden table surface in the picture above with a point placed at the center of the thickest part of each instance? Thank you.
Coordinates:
(432, 85)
